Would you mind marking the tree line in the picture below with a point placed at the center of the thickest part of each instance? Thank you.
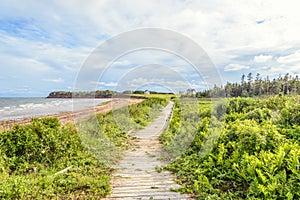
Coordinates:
(251, 85)
(82, 94)
(98, 93)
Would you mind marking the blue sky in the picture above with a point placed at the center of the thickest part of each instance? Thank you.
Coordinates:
(44, 44)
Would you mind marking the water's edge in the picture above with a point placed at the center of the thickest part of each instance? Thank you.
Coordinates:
(19, 108)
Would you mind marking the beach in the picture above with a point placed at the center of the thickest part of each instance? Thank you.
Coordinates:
(73, 116)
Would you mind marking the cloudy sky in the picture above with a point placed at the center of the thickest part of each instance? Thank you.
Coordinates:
(45, 44)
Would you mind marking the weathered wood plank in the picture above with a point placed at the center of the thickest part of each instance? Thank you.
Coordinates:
(136, 176)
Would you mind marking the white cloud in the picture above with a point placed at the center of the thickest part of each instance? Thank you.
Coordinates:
(59, 80)
(122, 63)
(22, 67)
(292, 58)
(229, 31)
(287, 64)
(235, 67)
(281, 69)
(52, 56)
(107, 84)
(262, 58)
(171, 85)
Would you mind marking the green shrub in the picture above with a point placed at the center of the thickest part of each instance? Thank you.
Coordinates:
(33, 156)
(257, 155)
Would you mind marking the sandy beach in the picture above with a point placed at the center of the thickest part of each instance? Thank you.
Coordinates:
(66, 117)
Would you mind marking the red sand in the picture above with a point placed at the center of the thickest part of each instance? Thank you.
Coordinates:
(82, 114)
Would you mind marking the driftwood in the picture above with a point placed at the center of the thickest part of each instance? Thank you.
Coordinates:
(63, 171)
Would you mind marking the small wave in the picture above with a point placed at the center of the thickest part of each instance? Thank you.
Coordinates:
(42, 107)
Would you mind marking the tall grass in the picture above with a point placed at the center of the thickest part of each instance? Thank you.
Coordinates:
(47, 160)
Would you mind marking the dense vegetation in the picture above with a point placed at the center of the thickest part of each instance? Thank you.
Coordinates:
(256, 154)
(82, 94)
(46, 159)
(250, 86)
(143, 92)
(98, 93)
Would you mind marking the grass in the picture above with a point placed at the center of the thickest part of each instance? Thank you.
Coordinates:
(255, 156)
(48, 160)
(163, 96)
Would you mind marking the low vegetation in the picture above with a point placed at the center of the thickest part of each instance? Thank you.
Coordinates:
(47, 160)
(256, 154)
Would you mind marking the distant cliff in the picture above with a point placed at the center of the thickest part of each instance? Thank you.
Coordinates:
(95, 94)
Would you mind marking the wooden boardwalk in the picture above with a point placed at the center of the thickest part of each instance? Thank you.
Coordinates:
(136, 176)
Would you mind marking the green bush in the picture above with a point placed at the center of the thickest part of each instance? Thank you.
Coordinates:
(257, 155)
(33, 156)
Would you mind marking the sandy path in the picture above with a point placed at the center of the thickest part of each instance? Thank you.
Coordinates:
(136, 176)
(77, 115)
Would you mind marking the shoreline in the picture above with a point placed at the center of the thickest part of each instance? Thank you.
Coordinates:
(66, 117)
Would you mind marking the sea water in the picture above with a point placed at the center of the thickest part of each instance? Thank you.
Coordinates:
(18, 108)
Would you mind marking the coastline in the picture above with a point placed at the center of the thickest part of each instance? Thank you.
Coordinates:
(66, 117)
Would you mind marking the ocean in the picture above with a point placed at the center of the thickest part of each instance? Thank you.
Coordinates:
(18, 108)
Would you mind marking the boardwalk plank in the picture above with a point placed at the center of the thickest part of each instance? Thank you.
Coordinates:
(135, 176)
